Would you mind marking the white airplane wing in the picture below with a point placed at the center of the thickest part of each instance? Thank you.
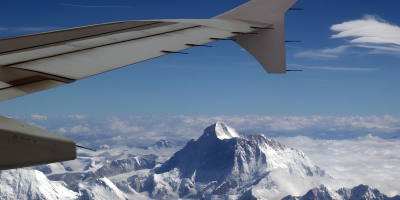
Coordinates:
(37, 62)
(41, 61)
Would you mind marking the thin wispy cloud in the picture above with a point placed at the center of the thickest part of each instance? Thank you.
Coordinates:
(343, 68)
(337, 50)
(333, 68)
(380, 49)
(92, 6)
(314, 54)
(323, 53)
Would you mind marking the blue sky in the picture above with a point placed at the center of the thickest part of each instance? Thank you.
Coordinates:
(340, 77)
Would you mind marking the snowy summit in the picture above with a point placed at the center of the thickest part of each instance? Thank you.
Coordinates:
(104, 146)
(161, 144)
(222, 131)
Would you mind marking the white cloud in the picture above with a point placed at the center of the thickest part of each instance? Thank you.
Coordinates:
(288, 184)
(366, 160)
(314, 54)
(77, 116)
(379, 49)
(322, 53)
(38, 117)
(62, 130)
(79, 129)
(116, 138)
(343, 68)
(369, 29)
(180, 129)
(297, 123)
(122, 126)
(332, 68)
(370, 33)
(337, 50)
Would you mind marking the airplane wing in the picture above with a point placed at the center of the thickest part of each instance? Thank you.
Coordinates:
(41, 61)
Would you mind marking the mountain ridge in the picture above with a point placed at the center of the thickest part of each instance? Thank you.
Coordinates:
(360, 192)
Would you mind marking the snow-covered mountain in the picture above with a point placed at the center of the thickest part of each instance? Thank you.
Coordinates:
(104, 146)
(224, 163)
(161, 144)
(361, 192)
(94, 188)
(127, 165)
(53, 168)
(221, 164)
(31, 184)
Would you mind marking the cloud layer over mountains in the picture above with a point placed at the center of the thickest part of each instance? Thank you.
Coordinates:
(355, 149)
(180, 129)
(365, 160)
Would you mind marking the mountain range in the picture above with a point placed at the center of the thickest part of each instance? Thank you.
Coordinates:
(221, 164)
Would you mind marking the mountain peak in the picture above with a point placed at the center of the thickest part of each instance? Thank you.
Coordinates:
(359, 192)
(104, 146)
(221, 131)
(223, 161)
(161, 144)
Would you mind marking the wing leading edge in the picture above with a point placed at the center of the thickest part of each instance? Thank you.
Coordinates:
(37, 62)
